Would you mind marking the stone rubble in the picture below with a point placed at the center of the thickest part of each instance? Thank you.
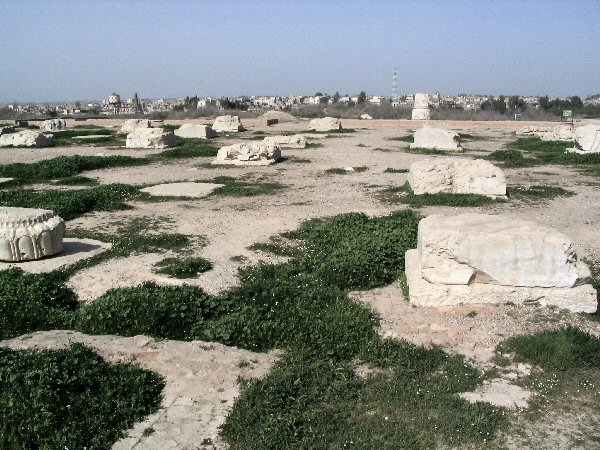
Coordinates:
(53, 125)
(294, 141)
(457, 176)
(259, 154)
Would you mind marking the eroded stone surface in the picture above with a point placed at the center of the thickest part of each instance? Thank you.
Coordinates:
(436, 138)
(201, 382)
(325, 124)
(249, 154)
(228, 124)
(192, 130)
(294, 141)
(588, 139)
(478, 258)
(421, 107)
(457, 176)
(184, 189)
(28, 234)
(133, 124)
(150, 138)
(25, 138)
(53, 125)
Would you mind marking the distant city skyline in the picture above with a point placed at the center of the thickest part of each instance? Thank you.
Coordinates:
(63, 51)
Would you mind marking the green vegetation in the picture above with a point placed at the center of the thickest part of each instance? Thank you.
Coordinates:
(511, 158)
(553, 152)
(65, 138)
(339, 131)
(472, 137)
(427, 151)
(536, 193)
(314, 145)
(276, 248)
(407, 138)
(392, 170)
(190, 148)
(70, 204)
(70, 398)
(557, 350)
(239, 188)
(314, 398)
(185, 267)
(31, 302)
(65, 166)
(404, 195)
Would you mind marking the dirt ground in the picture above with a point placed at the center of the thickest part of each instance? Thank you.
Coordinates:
(231, 224)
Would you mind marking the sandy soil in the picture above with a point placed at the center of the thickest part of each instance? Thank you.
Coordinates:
(231, 224)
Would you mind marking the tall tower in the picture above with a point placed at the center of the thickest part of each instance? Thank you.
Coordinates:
(395, 89)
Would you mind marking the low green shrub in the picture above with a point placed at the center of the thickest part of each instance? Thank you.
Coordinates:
(338, 131)
(472, 137)
(536, 192)
(404, 195)
(169, 312)
(189, 148)
(70, 398)
(70, 204)
(188, 267)
(393, 170)
(565, 349)
(239, 188)
(407, 138)
(65, 166)
(32, 302)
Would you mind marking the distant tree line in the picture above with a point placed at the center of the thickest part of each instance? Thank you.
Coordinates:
(515, 104)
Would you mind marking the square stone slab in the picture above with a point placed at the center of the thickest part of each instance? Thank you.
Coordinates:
(186, 189)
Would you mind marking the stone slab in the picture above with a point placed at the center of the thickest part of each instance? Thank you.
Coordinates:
(423, 293)
(74, 250)
(185, 189)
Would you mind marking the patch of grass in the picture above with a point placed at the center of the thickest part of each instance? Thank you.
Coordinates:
(77, 180)
(189, 148)
(65, 138)
(70, 204)
(238, 188)
(362, 145)
(168, 312)
(567, 349)
(407, 138)
(170, 127)
(384, 150)
(428, 151)
(511, 158)
(186, 267)
(536, 193)
(472, 137)
(71, 398)
(313, 145)
(392, 170)
(31, 302)
(65, 166)
(339, 131)
(275, 248)
(297, 160)
(404, 195)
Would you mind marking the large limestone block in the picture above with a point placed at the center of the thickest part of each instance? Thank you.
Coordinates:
(132, 125)
(588, 139)
(457, 176)
(228, 124)
(54, 125)
(150, 138)
(421, 107)
(294, 141)
(192, 130)
(494, 250)
(26, 138)
(325, 124)
(423, 293)
(436, 138)
(28, 234)
(249, 154)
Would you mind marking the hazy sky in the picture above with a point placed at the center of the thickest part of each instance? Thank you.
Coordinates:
(67, 50)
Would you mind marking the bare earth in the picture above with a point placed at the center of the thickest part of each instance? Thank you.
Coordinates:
(231, 224)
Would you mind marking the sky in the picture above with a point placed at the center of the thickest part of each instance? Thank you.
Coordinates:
(59, 50)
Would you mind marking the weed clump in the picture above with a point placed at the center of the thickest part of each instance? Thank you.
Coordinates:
(71, 398)
(189, 148)
(404, 195)
(188, 267)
